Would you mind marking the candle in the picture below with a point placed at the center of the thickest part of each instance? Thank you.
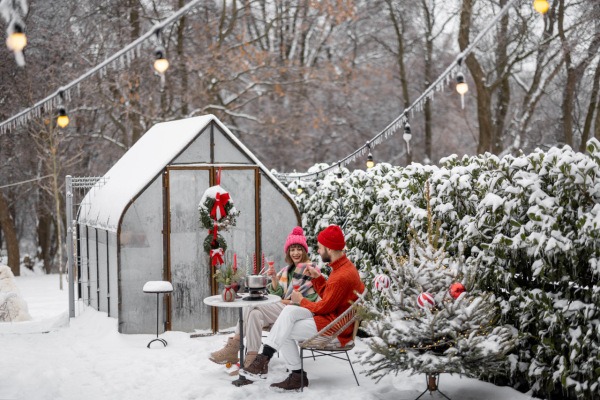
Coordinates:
(234, 263)
(254, 271)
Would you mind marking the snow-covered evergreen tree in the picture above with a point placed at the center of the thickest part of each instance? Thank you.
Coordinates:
(457, 332)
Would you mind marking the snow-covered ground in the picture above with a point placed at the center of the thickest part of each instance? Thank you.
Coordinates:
(86, 358)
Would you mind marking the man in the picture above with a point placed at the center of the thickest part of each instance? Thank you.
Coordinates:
(304, 319)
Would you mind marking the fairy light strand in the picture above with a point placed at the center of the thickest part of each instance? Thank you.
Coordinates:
(416, 105)
(125, 55)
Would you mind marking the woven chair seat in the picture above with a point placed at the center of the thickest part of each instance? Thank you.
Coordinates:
(325, 342)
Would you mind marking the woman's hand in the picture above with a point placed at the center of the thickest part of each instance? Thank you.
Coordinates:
(286, 302)
(312, 271)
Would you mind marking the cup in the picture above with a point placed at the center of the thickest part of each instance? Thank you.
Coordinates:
(271, 270)
(296, 287)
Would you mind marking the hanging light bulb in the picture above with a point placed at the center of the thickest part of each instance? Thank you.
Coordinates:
(370, 162)
(541, 6)
(338, 175)
(161, 64)
(299, 189)
(461, 87)
(407, 135)
(63, 119)
(17, 40)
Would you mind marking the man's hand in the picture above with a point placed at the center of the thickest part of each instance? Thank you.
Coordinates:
(312, 271)
(296, 297)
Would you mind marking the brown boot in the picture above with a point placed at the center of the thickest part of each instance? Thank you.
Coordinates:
(248, 359)
(228, 354)
(258, 369)
(292, 382)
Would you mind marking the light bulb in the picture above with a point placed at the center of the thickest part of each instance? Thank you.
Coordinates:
(370, 162)
(161, 64)
(461, 85)
(16, 41)
(299, 190)
(541, 6)
(63, 119)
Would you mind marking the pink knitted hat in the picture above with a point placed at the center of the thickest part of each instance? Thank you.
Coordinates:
(296, 237)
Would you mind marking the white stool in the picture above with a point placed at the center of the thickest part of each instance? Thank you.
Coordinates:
(157, 287)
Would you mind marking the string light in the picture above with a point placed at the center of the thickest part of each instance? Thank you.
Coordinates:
(541, 6)
(407, 136)
(63, 119)
(338, 175)
(161, 64)
(16, 40)
(461, 85)
(370, 163)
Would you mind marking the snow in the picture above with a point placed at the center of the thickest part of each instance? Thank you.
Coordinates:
(157, 287)
(144, 161)
(89, 359)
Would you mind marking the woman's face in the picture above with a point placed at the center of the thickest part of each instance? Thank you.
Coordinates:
(296, 253)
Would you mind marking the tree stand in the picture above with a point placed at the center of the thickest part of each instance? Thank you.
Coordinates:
(433, 381)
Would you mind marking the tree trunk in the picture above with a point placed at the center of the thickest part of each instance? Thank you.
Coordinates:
(428, 17)
(399, 29)
(483, 94)
(503, 83)
(7, 225)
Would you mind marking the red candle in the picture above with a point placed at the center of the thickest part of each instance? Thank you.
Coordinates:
(234, 262)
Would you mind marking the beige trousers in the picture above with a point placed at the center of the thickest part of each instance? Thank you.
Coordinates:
(255, 318)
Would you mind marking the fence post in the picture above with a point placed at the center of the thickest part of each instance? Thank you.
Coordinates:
(70, 250)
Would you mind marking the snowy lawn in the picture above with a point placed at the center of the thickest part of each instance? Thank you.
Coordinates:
(88, 359)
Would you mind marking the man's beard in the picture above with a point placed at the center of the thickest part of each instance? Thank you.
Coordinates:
(326, 257)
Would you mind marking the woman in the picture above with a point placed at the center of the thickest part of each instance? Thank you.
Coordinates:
(282, 284)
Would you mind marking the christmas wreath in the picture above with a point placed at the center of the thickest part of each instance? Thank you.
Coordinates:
(216, 208)
(210, 243)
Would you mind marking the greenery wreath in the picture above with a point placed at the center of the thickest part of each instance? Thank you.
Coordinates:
(220, 243)
(206, 220)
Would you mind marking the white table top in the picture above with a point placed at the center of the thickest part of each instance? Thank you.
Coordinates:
(217, 301)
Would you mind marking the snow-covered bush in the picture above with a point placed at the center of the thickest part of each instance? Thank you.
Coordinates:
(530, 224)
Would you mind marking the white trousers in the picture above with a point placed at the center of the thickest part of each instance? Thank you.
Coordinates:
(255, 318)
(294, 323)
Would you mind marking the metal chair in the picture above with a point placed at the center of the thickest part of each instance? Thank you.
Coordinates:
(325, 342)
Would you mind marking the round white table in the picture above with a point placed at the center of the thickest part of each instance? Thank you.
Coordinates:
(217, 301)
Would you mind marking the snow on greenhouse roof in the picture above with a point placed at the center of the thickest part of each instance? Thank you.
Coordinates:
(104, 204)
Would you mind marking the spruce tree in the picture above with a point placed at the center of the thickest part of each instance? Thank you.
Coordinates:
(459, 333)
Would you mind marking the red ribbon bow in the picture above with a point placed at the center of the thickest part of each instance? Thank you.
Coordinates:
(216, 256)
(218, 210)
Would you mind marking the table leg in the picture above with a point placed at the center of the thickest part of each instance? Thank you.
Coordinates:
(242, 380)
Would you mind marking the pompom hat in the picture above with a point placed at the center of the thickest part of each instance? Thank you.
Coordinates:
(296, 237)
(332, 237)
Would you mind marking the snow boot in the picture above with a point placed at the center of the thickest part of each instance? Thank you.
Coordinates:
(228, 354)
(248, 359)
(292, 382)
(258, 369)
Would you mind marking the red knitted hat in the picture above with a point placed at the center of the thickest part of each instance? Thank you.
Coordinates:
(332, 237)
(296, 237)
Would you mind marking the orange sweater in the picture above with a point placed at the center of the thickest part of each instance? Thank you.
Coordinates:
(336, 294)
